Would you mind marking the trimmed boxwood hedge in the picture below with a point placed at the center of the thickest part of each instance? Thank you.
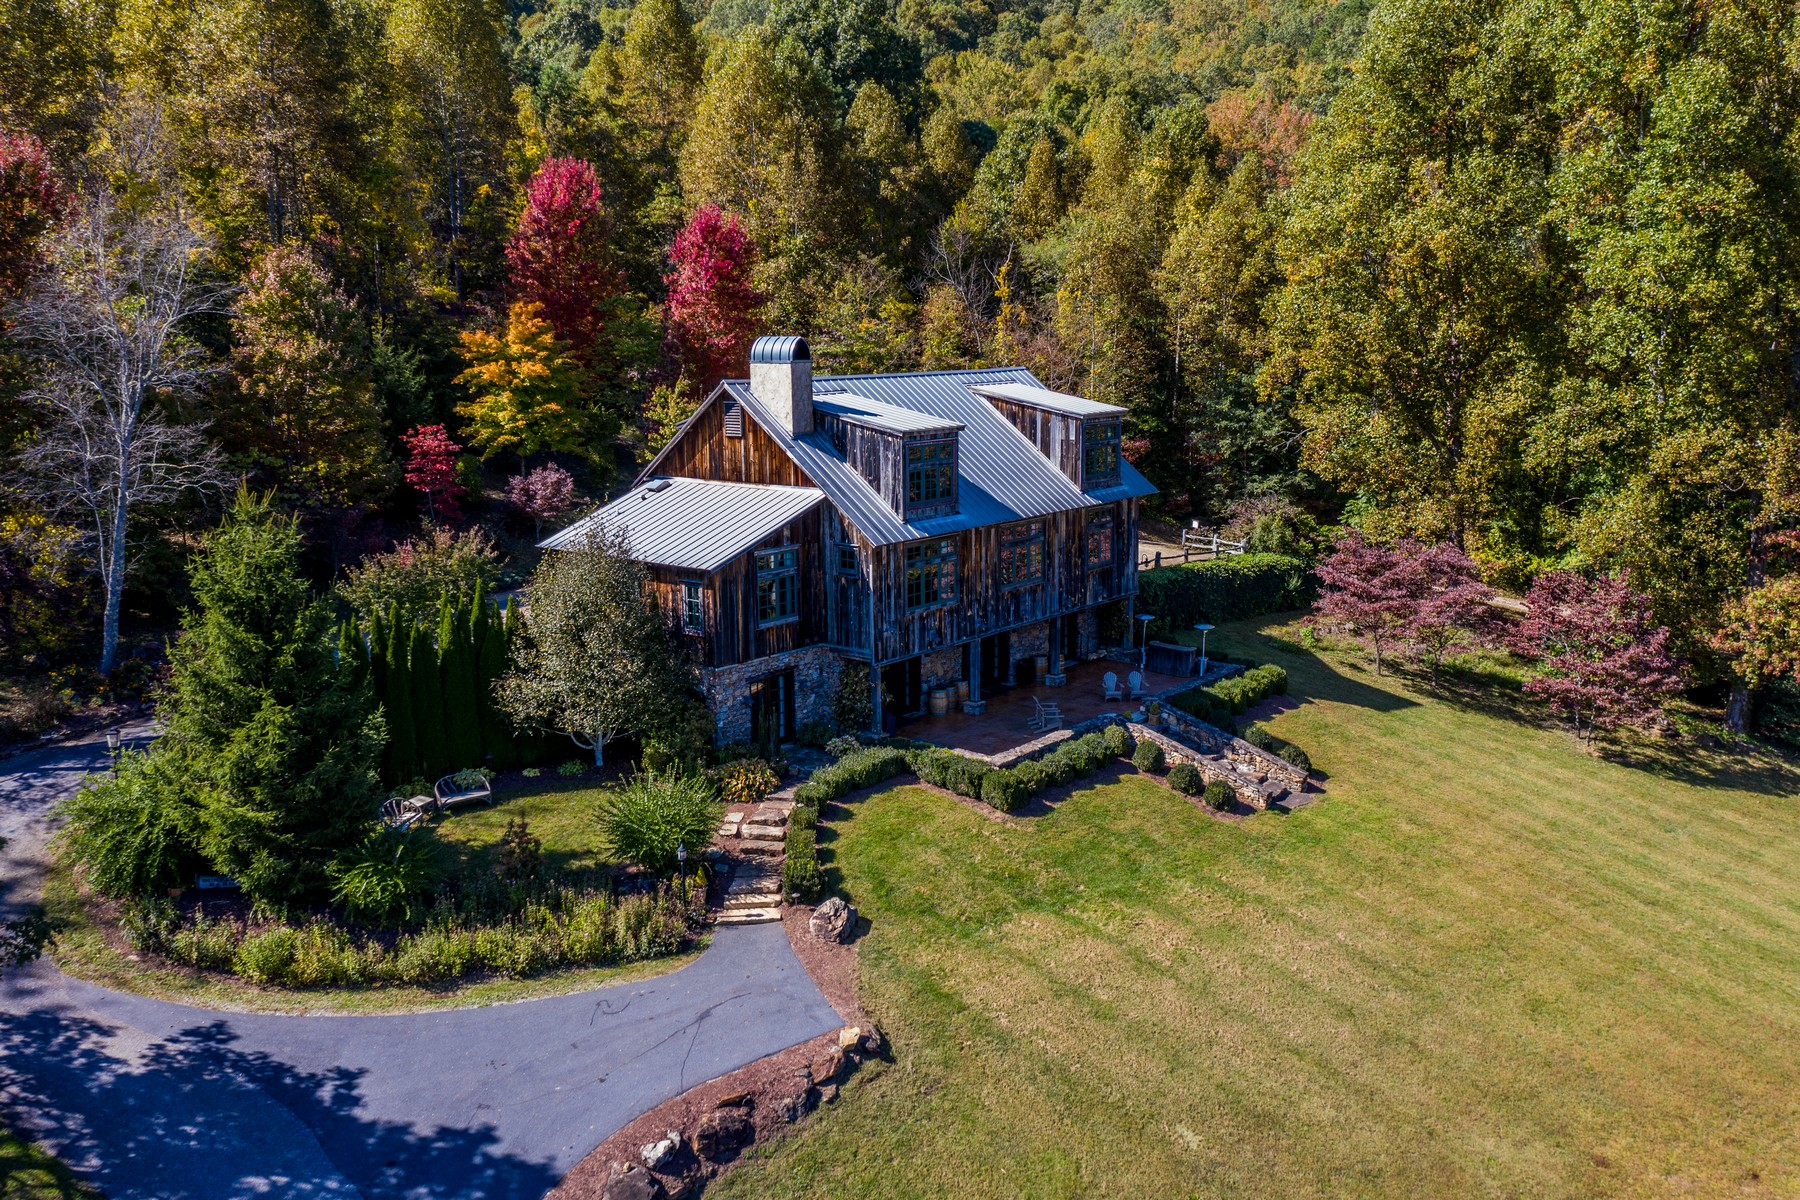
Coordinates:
(1224, 589)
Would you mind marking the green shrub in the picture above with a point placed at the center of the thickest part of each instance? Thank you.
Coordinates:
(1058, 769)
(649, 926)
(816, 733)
(842, 745)
(1149, 757)
(133, 833)
(1030, 775)
(1261, 738)
(853, 772)
(746, 781)
(813, 794)
(1118, 741)
(208, 945)
(324, 956)
(963, 775)
(1004, 790)
(1275, 679)
(267, 956)
(1185, 778)
(1223, 589)
(433, 955)
(1091, 752)
(651, 815)
(1296, 756)
(148, 924)
(804, 816)
(572, 768)
(801, 878)
(386, 877)
(1219, 797)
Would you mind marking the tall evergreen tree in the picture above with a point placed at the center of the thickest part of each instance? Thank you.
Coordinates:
(491, 650)
(402, 758)
(462, 721)
(428, 704)
(281, 741)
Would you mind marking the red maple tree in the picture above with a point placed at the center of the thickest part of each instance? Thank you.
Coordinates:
(1599, 656)
(560, 256)
(714, 309)
(1369, 591)
(431, 468)
(32, 201)
(1450, 604)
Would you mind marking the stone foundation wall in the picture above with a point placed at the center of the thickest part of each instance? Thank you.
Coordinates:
(940, 667)
(727, 689)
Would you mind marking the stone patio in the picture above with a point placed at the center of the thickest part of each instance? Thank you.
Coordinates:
(1006, 723)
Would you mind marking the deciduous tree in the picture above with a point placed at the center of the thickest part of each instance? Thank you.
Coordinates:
(714, 307)
(543, 495)
(1368, 590)
(561, 257)
(526, 388)
(431, 470)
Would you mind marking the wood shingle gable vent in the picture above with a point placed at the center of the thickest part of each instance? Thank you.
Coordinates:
(734, 419)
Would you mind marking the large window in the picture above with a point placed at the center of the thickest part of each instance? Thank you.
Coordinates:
(1022, 554)
(777, 586)
(930, 573)
(930, 477)
(1100, 539)
(693, 607)
(1100, 454)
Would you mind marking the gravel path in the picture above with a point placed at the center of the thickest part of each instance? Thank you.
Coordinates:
(157, 1100)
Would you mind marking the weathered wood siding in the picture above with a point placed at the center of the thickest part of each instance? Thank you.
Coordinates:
(1057, 437)
(846, 596)
(702, 451)
(880, 458)
(733, 632)
(984, 607)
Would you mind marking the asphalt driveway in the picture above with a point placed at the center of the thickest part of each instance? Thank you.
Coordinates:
(167, 1101)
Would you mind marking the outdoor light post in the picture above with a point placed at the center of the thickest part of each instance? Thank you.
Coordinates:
(1203, 630)
(1144, 641)
(112, 748)
(681, 868)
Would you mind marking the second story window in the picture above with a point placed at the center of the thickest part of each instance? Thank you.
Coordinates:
(930, 478)
(846, 558)
(777, 586)
(1100, 540)
(1022, 554)
(693, 607)
(930, 573)
(1099, 454)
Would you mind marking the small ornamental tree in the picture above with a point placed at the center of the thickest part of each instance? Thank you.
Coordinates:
(594, 658)
(1450, 608)
(526, 388)
(543, 495)
(714, 309)
(431, 470)
(32, 201)
(1761, 632)
(1598, 656)
(559, 257)
(1369, 591)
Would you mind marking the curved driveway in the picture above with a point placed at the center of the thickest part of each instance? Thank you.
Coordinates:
(151, 1099)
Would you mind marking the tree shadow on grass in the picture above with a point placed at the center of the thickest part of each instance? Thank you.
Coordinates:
(190, 1116)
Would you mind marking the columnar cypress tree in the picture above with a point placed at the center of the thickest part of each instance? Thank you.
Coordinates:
(402, 759)
(428, 705)
(496, 730)
(462, 727)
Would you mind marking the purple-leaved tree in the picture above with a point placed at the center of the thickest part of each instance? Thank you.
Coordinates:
(543, 495)
(1450, 603)
(1598, 655)
(1368, 591)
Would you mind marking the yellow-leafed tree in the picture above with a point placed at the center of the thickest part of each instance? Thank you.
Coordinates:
(527, 390)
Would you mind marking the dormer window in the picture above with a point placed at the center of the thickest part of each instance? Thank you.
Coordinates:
(1099, 455)
(930, 478)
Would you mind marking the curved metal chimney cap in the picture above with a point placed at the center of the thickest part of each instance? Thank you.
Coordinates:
(788, 348)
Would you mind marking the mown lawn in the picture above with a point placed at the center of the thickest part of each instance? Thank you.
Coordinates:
(1486, 964)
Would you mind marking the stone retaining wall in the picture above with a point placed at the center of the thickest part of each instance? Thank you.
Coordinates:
(1212, 738)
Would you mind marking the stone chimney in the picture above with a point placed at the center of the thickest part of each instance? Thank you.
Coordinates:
(781, 379)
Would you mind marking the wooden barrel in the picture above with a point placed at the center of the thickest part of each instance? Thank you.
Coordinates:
(962, 689)
(1040, 666)
(940, 701)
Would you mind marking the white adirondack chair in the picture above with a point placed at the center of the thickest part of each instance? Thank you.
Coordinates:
(1134, 683)
(1111, 683)
(1047, 717)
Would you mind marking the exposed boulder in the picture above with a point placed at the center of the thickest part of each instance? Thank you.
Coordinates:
(721, 1131)
(632, 1182)
(834, 920)
(657, 1154)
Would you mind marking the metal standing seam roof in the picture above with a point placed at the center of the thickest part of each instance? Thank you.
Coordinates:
(1002, 476)
(692, 524)
(874, 413)
(1042, 397)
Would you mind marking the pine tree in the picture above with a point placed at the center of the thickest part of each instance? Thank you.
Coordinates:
(402, 759)
(428, 705)
(462, 725)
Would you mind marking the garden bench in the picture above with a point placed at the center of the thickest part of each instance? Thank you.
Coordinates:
(464, 787)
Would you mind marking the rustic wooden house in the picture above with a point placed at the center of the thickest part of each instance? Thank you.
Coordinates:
(941, 528)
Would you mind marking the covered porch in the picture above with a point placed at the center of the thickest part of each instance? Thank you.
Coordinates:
(1007, 721)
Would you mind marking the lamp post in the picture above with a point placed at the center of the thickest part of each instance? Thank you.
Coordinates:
(1203, 630)
(681, 868)
(112, 748)
(1144, 641)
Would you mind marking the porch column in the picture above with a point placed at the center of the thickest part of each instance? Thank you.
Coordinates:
(975, 704)
(875, 691)
(1055, 677)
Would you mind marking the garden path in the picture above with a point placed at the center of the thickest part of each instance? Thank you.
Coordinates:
(147, 1098)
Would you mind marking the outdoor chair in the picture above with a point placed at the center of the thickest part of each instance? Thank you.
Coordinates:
(1047, 717)
(404, 813)
(1111, 683)
(1134, 682)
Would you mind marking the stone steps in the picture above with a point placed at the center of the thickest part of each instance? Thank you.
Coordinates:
(748, 916)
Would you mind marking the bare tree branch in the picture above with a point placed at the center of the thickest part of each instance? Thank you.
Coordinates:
(106, 324)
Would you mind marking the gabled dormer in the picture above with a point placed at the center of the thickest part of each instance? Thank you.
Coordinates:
(910, 458)
(1082, 437)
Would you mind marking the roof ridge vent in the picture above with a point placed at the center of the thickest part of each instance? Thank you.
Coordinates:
(660, 485)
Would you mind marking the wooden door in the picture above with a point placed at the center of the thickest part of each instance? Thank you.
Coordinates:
(772, 710)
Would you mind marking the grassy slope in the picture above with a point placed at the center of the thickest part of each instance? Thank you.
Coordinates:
(562, 817)
(1487, 964)
(27, 1172)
